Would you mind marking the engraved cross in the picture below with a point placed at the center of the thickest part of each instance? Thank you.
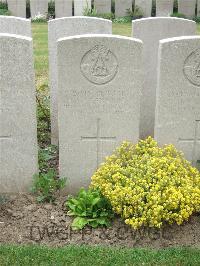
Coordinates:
(195, 141)
(98, 139)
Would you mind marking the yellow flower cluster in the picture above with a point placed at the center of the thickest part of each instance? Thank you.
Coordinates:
(148, 185)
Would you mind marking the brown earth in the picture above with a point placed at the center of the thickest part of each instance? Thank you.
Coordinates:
(23, 221)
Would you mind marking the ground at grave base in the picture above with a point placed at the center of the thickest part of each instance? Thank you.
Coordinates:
(23, 221)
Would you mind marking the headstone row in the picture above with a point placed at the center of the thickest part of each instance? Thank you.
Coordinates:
(100, 96)
(63, 8)
(151, 31)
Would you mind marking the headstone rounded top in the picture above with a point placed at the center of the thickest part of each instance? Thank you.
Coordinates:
(168, 41)
(15, 36)
(14, 18)
(158, 19)
(107, 36)
(191, 67)
(79, 18)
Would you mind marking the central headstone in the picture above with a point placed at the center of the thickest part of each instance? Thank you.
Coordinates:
(187, 7)
(17, 8)
(64, 27)
(150, 31)
(198, 8)
(145, 6)
(178, 95)
(39, 7)
(18, 131)
(164, 8)
(63, 8)
(102, 6)
(122, 7)
(80, 6)
(98, 101)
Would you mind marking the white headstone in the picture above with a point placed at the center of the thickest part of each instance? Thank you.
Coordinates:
(150, 31)
(80, 6)
(18, 131)
(198, 8)
(145, 6)
(15, 25)
(63, 8)
(98, 101)
(187, 7)
(164, 8)
(178, 95)
(17, 8)
(64, 27)
(121, 7)
(39, 7)
(103, 6)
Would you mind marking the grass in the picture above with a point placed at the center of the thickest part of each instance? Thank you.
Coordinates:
(84, 255)
(40, 44)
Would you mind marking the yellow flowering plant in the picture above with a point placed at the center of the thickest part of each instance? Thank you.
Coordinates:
(148, 185)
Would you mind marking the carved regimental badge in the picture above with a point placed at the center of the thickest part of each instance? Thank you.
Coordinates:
(192, 67)
(99, 65)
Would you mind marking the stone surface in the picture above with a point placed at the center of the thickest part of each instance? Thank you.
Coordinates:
(18, 131)
(63, 8)
(15, 25)
(121, 7)
(164, 8)
(17, 8)
(178, 95)
(145, 6)
(64, 27)
(38, 7)
(103, 6)
(150, 31)
(98, 102)
(80, 6)
(198, 8)
(187, 7)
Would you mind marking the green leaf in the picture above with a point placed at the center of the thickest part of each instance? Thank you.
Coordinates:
(79, 223)
(90, 207)
(95, 201)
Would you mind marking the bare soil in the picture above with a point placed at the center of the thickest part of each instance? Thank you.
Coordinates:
(24, 221)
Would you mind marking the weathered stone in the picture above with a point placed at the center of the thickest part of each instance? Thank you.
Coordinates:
(164, 8)
(145, 6)
(18, 131)
(63, 8)
(99, 101)
(59, 28)
(150, 31)
(187, 7)
(15, 25)
(198, 8)
(121, 7)
(178, 95)
(80, 6)
(17, 8)
(102, 6)
(39, 7)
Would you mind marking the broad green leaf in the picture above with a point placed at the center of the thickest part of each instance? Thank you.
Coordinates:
(79, 223)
